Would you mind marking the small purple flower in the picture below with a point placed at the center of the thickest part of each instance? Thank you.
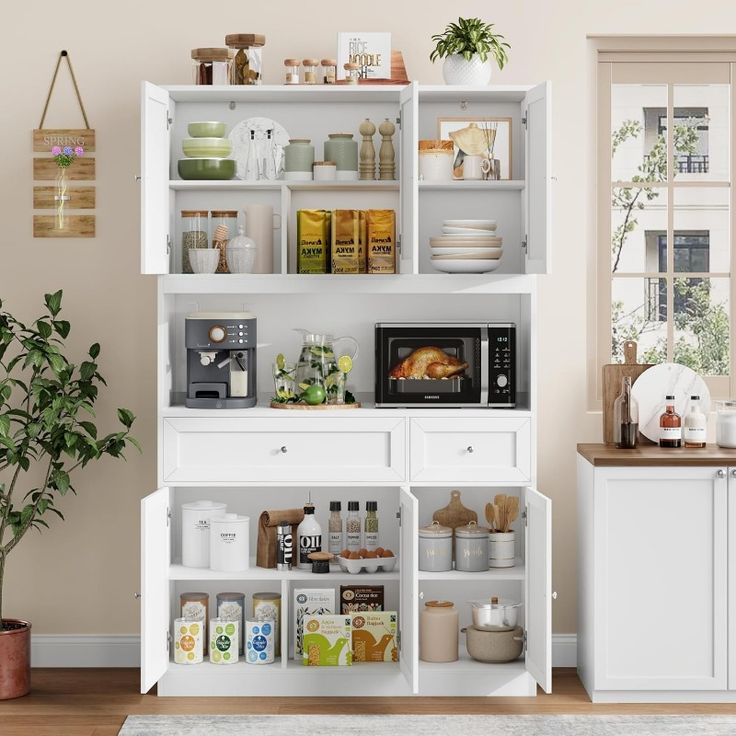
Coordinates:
(55, 151)
(68, 150)
(79, 150)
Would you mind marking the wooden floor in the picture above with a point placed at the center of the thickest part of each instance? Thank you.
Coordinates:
(94, 702)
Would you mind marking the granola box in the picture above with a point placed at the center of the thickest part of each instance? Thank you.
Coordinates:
(327, 641)
(374, 636)
(309, 602)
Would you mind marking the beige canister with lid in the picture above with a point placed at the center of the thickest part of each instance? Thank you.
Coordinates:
(439, 626)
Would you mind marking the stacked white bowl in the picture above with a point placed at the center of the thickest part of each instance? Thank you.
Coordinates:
(467, 246)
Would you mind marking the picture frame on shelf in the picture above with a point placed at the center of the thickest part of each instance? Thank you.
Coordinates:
(497, 134)
(372, 50)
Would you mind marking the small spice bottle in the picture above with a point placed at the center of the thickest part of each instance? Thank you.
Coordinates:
(329, 71)
(310, 70)
(335, 529)
(352, 72)
(292, 71)
(371, 525)
(352, 527)
(670, 425)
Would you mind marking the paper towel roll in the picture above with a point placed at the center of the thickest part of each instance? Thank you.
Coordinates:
(259, 226)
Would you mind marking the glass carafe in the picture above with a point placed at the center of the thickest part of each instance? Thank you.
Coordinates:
(317, 364)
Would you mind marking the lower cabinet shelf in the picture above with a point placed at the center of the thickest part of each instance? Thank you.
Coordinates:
(472, 678)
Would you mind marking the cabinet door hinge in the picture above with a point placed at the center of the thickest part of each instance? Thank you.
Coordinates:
(168, 516)
(398, 515)
(398, 639)
(398, 120)
(523, 121)
(525, 243)
(168, 640)
(169, 121)
(525, 516)
(168, 244)
(398, 244)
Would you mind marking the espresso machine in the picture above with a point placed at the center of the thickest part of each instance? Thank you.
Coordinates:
(221, 360)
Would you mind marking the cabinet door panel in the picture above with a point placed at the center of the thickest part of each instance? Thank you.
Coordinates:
(732, 578)
(409, 590)
(660, 575)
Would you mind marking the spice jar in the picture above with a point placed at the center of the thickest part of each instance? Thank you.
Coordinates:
(438, 632)
(471, 548)
(224, 224)
(435, 548)
(247, 66)
(726, 423)
(329, 71)
(310, 70)
(352, 72)
(292, 71)
(211, 65)
(193, 235)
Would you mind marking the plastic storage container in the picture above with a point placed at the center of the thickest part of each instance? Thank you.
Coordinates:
(435, 548)
(195, 531)
(231, 607)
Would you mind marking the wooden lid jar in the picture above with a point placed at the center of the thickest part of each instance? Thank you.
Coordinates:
(211, 66)
(247, 66)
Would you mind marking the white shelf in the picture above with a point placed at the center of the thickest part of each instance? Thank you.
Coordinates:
(273, 93)
(483, 186)
(179, 572)
(220, 185)
(294, 186)
(495, 574)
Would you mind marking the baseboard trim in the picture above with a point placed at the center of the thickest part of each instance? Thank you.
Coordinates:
(61, 650)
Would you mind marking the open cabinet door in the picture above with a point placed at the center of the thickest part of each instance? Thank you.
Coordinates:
(408, 171)
(409, 587)
(155, 147)
(155, 551)
(536, 109)
(538, 548)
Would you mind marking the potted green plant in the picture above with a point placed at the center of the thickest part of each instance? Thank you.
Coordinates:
(469, 48)
(47, 432)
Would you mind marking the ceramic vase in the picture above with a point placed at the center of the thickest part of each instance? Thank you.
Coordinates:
(457, 70)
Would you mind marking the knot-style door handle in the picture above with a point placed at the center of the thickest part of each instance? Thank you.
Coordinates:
(469, 449)
(284, 449)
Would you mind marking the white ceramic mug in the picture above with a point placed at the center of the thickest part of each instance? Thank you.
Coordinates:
(475, 167)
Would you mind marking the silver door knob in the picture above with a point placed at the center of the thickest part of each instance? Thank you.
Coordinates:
(284, 450)
(421, 595)
(137, 596)
(469, 449)
(554, 595)
(733, 472)
(721, 473)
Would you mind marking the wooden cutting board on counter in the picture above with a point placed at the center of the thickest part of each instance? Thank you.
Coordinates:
(454, 514)
(613, 373)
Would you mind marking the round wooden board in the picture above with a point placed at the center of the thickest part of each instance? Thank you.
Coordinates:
(318, 407)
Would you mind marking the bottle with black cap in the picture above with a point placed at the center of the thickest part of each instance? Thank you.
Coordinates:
(309, 534)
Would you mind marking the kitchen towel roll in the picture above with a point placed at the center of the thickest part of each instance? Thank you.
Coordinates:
(267, 523)
(259, 225)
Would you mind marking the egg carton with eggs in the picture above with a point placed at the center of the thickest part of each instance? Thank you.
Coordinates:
(355, 562)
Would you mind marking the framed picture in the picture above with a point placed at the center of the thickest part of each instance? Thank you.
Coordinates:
(494, 137)
(371, 50)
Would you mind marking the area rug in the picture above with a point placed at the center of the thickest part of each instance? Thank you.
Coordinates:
(422, 725)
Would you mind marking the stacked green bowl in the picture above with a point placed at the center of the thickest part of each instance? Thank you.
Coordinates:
(206, 153)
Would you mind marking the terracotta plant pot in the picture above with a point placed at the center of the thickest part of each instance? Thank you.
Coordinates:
(15, 658)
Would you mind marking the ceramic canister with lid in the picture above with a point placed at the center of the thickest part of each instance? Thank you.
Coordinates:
(195, 531)
(343, 150)
(471, 548)
(298, 159)
(435, 548)
(439, 625)
(229, 550)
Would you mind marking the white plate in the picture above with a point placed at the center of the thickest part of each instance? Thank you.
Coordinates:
(660, 380)
(468, 253)
(476, 232)
(449, 242)
(480, 265)
(240, 138)
(474, 224)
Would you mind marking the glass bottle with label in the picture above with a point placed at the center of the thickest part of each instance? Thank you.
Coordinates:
(336, 532)
(309, 533)
(625, 417)
(670, 425)
(352, 527)
(371, 525)
(694, 424)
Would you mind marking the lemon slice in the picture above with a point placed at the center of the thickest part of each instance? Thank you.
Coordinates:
(304, 386)
(280, 361)
(345, 363)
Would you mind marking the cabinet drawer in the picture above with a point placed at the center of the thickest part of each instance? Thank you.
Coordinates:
(234, 450)
(472, 449)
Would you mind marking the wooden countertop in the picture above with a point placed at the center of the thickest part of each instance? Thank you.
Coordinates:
(608, 456)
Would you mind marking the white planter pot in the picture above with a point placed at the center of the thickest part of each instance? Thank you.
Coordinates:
(457, 70)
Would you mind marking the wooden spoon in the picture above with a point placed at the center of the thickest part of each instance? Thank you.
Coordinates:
(500, 501)
(491, 515)
(513, 512)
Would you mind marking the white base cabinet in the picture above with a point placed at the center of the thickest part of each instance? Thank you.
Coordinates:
(655, 580)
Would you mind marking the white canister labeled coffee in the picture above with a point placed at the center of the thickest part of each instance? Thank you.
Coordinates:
(229, 543)
(195, 531)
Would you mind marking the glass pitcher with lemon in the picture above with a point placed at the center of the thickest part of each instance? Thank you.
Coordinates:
(320, 375)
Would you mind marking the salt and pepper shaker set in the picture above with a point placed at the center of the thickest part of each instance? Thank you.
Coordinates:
(386, 154)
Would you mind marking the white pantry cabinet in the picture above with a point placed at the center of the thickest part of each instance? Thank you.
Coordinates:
(407, 460)
(655, 576)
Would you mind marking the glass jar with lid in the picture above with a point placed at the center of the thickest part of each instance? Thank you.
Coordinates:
(310, 70)
(224, 224)
(211, 65)
(726, 423)
(291, 75)
(352, 72)
(329, 71)
(194, 234)
(247, 64)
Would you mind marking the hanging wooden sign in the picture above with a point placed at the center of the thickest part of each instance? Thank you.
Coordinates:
(61, 156)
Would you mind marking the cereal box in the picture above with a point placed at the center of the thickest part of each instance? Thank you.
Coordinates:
(374, 636)
(327, 641)
(310, 601)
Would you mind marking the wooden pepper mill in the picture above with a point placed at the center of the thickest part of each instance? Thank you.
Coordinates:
(367, 164)
(387, 155)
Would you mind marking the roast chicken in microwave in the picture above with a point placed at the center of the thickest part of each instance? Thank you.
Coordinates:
(428, 362)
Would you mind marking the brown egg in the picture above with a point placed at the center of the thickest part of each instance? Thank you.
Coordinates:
(370, 555)
(379, 551)
(345, 553)
(353, 556)
(387, 553)
(362, 551)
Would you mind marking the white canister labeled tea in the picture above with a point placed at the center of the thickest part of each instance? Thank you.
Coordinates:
(259, 642)
(223, 641)
(188, 638)
(195, 531)
(229, 546)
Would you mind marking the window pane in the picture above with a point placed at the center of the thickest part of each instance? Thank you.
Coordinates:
(701, 121)
(639, 148)
(638, 230)
(639, 312)
(702, 325)
(702, 229)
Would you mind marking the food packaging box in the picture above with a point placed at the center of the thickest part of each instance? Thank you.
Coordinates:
(310, 602)
(313, 241)
(374, 636)
(381, 241)
(345, 241)
(327, 641)
(354, 598)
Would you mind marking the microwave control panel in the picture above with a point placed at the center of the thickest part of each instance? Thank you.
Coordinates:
(502, 352)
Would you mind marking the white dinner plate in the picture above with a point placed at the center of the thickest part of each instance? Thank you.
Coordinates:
(468, 253)
(474, 224)
(453, 242)
(476, 232)
(479, 265)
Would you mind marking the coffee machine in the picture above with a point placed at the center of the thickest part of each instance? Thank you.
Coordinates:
(221, 360)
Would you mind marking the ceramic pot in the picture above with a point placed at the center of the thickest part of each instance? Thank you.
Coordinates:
(494, 646)
(343, 150)
(15, 659)
(298, 159)
(457, 70)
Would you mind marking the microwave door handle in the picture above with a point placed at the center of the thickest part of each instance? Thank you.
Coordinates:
(485, 367)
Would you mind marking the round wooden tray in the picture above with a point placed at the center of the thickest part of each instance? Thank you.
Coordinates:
(318, 407)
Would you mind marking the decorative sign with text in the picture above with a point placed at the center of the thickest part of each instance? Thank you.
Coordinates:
(372, 51)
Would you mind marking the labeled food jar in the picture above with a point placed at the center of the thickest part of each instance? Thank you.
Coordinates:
(211, 66)
(435, 548)
(223, 641)
(194, 234)
(352, 72)
(298, 159)
(439, 624)
(259, 642)
(495, 614)
(726, 423)
(195, 531)
(224, 224)
(435, 160)
(229, 550)
(343, 150)
(231, 607)
(291, 73)
(310, 70)
(247, 64)
(267, 607)
(188, 638)
(324, 171)
(329, 71)
(195, 607)
(471, 548)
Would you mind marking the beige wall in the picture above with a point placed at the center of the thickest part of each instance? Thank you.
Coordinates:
(80, 576)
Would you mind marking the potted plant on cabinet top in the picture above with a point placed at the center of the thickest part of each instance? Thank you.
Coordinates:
(47, 431)
(467, 47)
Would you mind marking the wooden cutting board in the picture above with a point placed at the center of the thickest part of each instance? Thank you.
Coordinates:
(454, 514)
(613, 373)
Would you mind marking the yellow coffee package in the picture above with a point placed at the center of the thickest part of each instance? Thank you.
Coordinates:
(345, 236)
(362, 237)
(381, 241)
(313, 241)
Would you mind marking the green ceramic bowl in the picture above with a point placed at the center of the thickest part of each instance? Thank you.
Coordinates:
(206, 168)
(206, 147)
(206, 129)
